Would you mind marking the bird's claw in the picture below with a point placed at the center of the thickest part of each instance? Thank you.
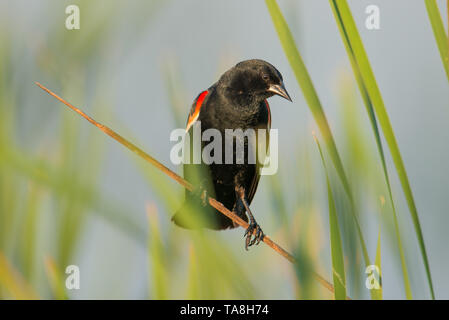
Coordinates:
(253, 234)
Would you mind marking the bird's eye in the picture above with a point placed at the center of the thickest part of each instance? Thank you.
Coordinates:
(265, 77)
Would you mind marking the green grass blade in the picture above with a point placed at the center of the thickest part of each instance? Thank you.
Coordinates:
(12, 282)
(377, 294)
(338, 266)
(159, 277)
(193, 276)
(370, 88)
(305, 82)
(311, 97)
(55, 279)
(371, 114)
(28, 242)
(440, 34)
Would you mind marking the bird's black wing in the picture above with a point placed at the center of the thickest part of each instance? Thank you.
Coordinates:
(255, 182)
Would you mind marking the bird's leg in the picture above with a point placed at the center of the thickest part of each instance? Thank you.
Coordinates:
(239, 210)
(253, 227)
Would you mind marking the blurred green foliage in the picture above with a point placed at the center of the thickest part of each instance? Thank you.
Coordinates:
(49, 192)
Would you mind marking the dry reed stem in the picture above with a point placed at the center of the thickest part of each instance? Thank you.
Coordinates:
(214, 203)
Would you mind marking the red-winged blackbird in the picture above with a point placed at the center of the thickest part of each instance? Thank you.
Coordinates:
(236, 101)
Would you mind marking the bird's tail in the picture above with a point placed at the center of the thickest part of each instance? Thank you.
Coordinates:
(181, 218)
(195, 216)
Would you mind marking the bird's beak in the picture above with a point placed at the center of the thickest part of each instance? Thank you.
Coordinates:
(280, 90)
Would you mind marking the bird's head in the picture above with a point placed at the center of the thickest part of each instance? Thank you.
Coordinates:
(254, 81)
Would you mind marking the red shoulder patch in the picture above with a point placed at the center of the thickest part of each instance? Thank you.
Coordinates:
(196, 107)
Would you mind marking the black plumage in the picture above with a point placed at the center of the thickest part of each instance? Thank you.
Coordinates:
(236, 101)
